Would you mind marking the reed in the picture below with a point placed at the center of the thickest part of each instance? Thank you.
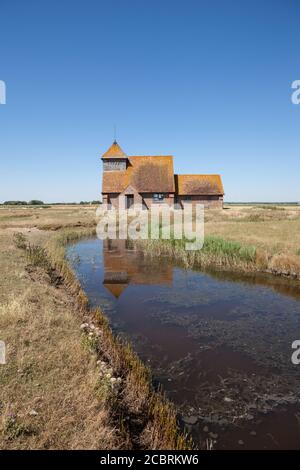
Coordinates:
(216, 252)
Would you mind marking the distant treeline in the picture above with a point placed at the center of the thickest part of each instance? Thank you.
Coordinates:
(262, 203)
(83, 203)
(37, 202)
(34, 202)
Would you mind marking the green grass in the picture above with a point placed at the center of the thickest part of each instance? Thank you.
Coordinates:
(219, 247)
(216, 246)
(216, 252)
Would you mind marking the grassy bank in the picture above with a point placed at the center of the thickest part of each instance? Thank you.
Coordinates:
(49, 384)
(248, 239)
(221, 254)
(136, 416)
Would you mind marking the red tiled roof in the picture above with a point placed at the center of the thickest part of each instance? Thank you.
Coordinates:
(144, 173)
(115, 289)
(198, 185)
(114, 151)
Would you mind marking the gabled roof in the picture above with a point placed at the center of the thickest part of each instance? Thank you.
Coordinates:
(188, 185)
(115, 281)
(144, 173)
(115, 289)
(114, 151)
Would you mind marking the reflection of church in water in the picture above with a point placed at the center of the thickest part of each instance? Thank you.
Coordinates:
(124, 265)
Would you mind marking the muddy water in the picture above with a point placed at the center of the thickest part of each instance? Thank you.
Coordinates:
(220, 344)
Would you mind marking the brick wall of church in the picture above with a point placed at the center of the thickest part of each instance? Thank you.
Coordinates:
(210, 202)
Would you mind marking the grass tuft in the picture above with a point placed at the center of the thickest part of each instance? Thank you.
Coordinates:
(19, 240)
(231, 250)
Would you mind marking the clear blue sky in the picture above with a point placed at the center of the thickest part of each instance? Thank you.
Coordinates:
(208, 81)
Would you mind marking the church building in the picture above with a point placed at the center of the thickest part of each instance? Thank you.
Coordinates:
(147, 180)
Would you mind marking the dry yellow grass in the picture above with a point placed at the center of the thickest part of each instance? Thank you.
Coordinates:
(276, 231)
(52, 218)
(48, 385)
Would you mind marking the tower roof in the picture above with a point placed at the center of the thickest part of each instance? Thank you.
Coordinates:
(145, 174)
(114, 151)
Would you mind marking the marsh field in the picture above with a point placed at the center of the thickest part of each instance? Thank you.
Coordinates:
(88, 352)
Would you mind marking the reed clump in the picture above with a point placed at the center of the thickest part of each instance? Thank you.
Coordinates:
(216, 252)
